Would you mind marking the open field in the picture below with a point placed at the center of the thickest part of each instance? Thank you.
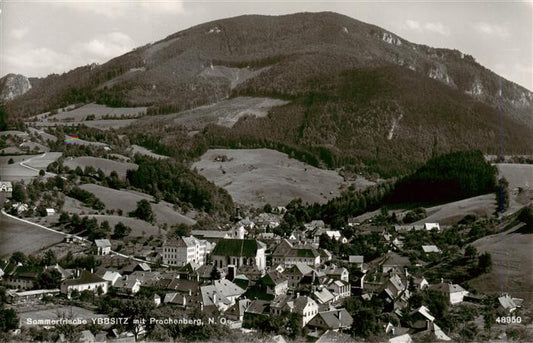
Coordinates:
(136, 149)
(19, 236)
(225, 113)
(512, 265)
(139, 228)
(518, 175)
(451, 213)
(234, 75)
(127, 202)
(43, 135)
(99, 111)
(107, 166)
(259, 176)
(97, 124)
(13, 133)
(31, 164)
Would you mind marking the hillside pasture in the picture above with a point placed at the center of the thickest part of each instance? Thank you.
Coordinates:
(259, 176)
(518, 175)
(19, 236)
(139, 228)
(126, 201)
(453, 212)
(235, 76)
(31, 164)
(226, 112)
(99, 111)
(512, 265)
(107, 166)
(137, 149)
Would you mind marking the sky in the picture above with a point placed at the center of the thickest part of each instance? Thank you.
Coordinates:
(39, 37)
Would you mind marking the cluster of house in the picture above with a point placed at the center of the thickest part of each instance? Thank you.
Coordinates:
(247, 279)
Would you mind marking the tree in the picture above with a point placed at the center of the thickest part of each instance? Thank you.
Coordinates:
(215, 274)
(19, 193)
(143, 211)
(3, 117)
(10, 161)
(18, 257)
(470, 251)
(49, 279)
(121, 230)
(8, 319)
(485, 262)
(49, 258)
(138, 311)
(42, 173)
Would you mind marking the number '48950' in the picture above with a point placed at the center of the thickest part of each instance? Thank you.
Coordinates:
(509, 320)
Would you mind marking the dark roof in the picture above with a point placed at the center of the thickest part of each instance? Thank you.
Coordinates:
(258, 307)
(236, 247)
(28, 272)
(273, 278)
(85, 277)
(334, 319)
(307, 252)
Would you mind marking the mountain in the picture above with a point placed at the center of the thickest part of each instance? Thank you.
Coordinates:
(360, 95)
(12, 86)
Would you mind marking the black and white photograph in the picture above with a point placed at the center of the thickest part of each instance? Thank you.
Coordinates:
(266, 171)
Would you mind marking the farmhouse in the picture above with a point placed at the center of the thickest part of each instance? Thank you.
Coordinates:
(6, 190)
(85, 282)
(239, 252)
(21, 277)
(455, 292)
(336, 319)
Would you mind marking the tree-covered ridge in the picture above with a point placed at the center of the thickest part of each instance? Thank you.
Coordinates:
(174, 182)
(454, 176)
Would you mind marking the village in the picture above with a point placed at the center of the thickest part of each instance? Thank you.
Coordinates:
(251, 277)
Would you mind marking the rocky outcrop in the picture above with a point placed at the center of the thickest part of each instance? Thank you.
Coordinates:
(13, 85)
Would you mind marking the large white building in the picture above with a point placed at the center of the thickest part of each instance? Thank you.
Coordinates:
(179, 252)
(239, 252)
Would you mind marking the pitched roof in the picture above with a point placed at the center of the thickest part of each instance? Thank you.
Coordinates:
(102, 243)
(507, 302)
(335, 319)
(331, 336)
(395, 259)
(323, 296)
(237, 247)
(430, 248)
(258, 307)
(85, 278)
(273, 278)
(355, 259)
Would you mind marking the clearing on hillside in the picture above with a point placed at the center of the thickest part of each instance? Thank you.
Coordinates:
(19, 236)
(107, 166)
(139, 228)
(25, 167)
(259, 176)
(127, 202)
(98, 111)
(137, 149)
(512, 265)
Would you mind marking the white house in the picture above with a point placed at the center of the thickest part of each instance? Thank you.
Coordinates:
(431, 249)
(286, 254)
(305, 306)
(111, 277)
(103, 246)
(222, 294)
(455, 292)
(431, 226)
(50, 212)
(85, 282)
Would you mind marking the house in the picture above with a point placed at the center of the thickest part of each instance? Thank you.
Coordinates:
(338, 273)
(216, 235)
(315, 224)
(136, 267)
(421, 283)
(431, 226)
(185, 250)
(20, 207)
(285, 253)
(256, 309)
(507, 305)
(454, 292)
(357, 260)
(236, 312)
(6, 187)
(275, 282)
(394, 260)
(21, 277)
(420, 318)
(335, 336)
(332, 234)
(304, 306)
(50, 212)
(296, 273)
(85, 281)
(239, 252)
(111, 276)
(340, 288)
(323, 296)
(431, 249)
(103, 246)
(127, 285)
(405, 338)
(221, 294)
(336, 319)
(174, 298)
